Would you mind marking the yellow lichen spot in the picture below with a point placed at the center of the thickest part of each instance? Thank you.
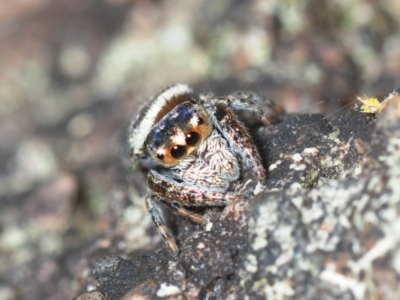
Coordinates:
(370, 105)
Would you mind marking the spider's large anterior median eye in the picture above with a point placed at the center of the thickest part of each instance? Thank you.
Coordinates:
(178, 151)
(192, 138)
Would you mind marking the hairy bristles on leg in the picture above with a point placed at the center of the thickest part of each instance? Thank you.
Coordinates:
(183, 212)
(171, 191)
(239, 136)
(244, 101)
(169, 240)
(160, 225)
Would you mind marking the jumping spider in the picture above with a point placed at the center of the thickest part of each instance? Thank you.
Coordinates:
(200, 151)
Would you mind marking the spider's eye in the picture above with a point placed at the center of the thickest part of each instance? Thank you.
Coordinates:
(192, 138)
(200, 121)
(160, 156)
(178, 151)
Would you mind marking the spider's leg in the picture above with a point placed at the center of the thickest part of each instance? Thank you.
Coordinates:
(174, 192)
(183, 212)
(243, 101)
(158, 220)
(238, 136)
(253, 99)
(248, 101)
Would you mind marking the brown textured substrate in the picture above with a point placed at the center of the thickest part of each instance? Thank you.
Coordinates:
(328, 229)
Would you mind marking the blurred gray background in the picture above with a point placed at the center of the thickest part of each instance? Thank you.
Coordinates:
(73, 73)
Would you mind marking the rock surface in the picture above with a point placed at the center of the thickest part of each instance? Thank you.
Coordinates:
(327, 229)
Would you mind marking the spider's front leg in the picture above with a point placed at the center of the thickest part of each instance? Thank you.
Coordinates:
(248, 101)
(239, 137)
(153, 209)
(243, 101)
(177, 193)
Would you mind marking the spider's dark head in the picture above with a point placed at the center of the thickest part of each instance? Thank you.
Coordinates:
(178, 133)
